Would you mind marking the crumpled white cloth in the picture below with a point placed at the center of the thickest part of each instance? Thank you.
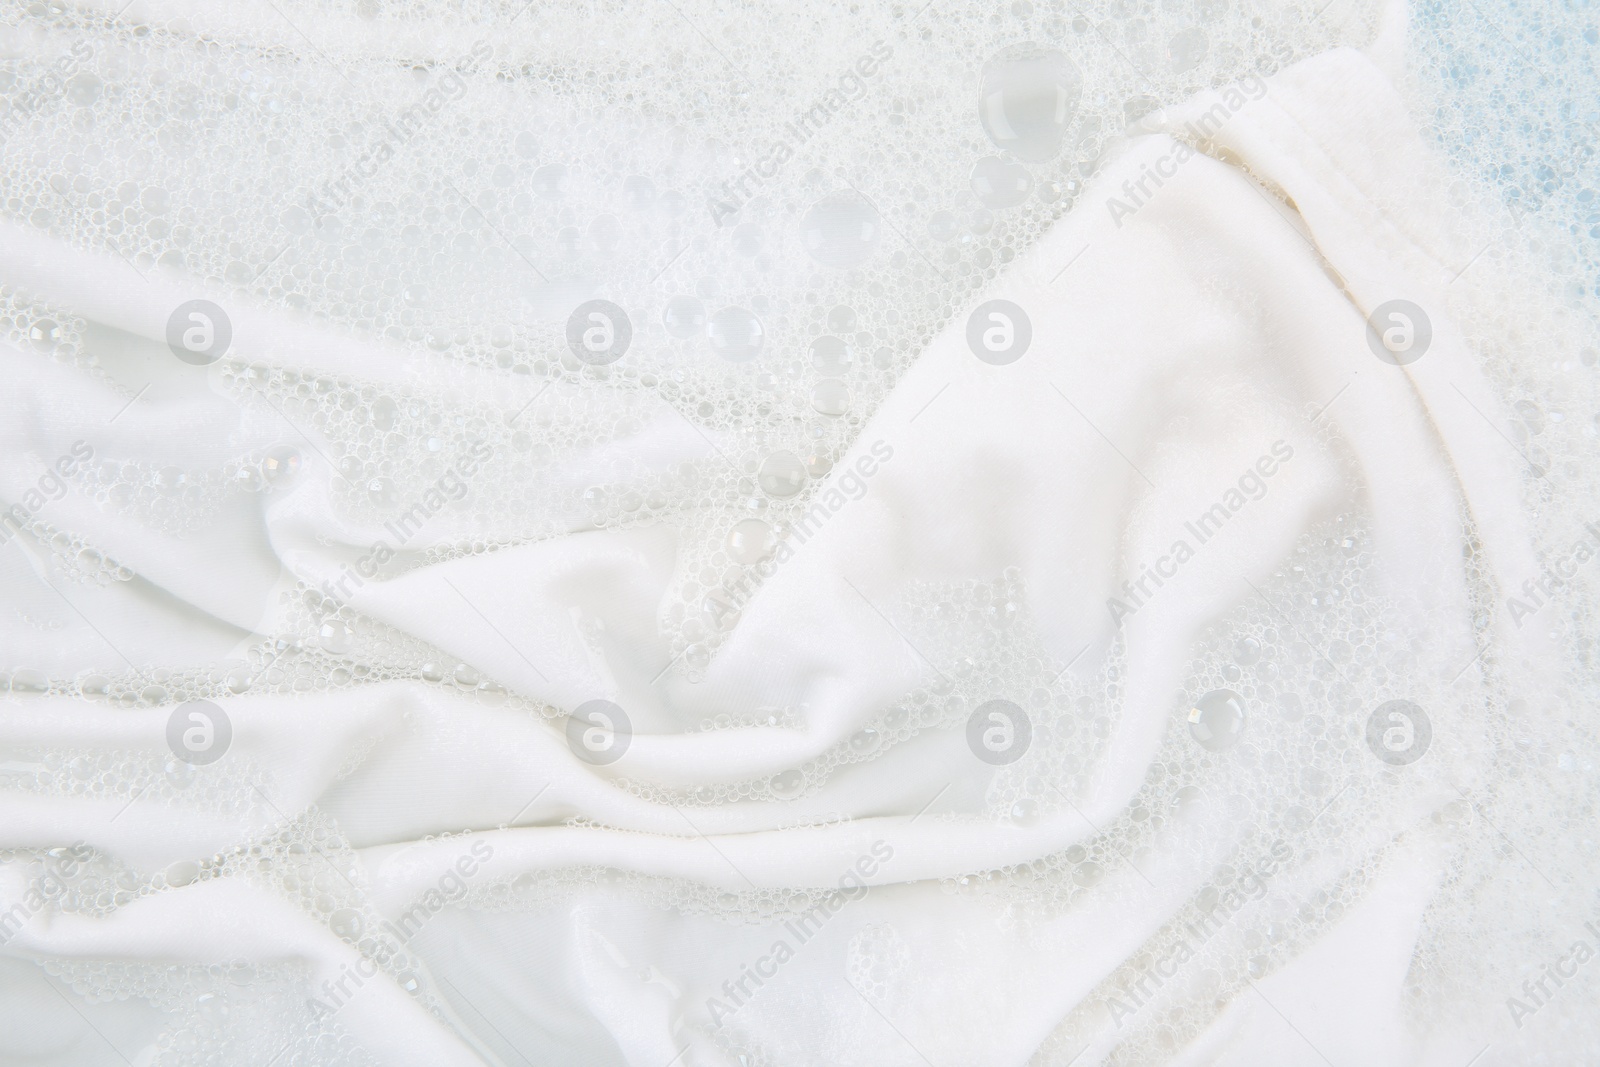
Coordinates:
(1172, 347)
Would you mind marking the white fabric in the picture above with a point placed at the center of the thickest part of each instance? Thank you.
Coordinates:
(1172, 347)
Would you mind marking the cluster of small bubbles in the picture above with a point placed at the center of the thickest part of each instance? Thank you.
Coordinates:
(326, 645)
(77, 879)
(176, 500)
(876, 959)
(307, 861)
(305, 858)
(477, 249)
(464, 678)
(1070, 720)
(113, 773)
(1533, 152)
(1233, 931)
(150, 687)
(780, 718)
(770, 334)
(78, 560)
(1183, 776)
(226, 1027)
(29, 324)
(150, 777)
(538, 890)
(986, 634)
(220, 1010)
(581, 201)
(1301, 779)
(403, 461)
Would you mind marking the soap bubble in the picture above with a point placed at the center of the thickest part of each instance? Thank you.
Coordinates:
(751, 541)
(1027, 97)
(1217, 720)
(382, 493)
(787, 785)
(30, 682)
(549, 181)
(684, 317)
(999, 184)
(178, 773)
(181, 873)
(865, 741)
(280, 465)
(782, 474)
(736, 334)
(830, 397)
(841, 230)
(1187, 49)
(83, 89)
(335, 637)
(830, 355)
(44, 335)
(346, 923)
